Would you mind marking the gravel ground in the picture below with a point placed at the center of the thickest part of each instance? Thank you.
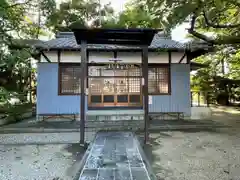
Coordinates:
(212, 155)
(174, 155)
(39, 162)
(43, 138)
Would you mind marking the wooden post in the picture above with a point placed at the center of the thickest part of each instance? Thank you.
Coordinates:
(145, 91)
(199, 94)
(83, 79)
(191, 98)
(30, 82)
(207, 98)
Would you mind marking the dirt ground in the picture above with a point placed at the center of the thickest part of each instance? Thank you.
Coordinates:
(212, 154)
(40, 162)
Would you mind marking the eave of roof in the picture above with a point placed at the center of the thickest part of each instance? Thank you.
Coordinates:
(66, 41)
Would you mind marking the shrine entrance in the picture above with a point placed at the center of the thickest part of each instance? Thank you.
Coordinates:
(114, 85)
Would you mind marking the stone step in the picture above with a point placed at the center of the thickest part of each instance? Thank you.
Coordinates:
(113, 115)
(114, 112)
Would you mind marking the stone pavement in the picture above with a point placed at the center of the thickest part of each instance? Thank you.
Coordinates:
(115, 156)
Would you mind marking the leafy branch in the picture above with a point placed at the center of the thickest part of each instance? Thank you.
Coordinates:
(220, 40)
(218, 25)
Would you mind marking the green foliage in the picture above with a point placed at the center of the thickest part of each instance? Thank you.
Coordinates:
(10, 111)
(85, 13)
(222, 76)
(15, 66)
(4, 96)
(15, 113)
(216, 22)
(14, 70)
(135, 15)
(221, 17)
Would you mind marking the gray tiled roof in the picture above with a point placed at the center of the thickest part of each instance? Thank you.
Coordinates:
(66, 40)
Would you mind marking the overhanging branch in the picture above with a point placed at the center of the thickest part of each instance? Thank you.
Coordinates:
(218, 41)
(196, 34)
(210, 24)
(201, 36)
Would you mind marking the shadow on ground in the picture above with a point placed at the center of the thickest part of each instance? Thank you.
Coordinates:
(153, 158)
(45, 124)
(77, 152)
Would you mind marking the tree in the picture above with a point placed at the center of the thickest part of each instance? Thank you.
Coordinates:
(36, 14)
(15, 59)
(221, 17)
(216, 22)
(85, 13)
(221, 77)
(134, 16)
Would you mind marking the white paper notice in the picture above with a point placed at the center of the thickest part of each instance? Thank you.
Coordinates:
(149, 99)
(143, 82)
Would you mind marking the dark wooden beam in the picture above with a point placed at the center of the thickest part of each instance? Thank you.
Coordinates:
(182, 58)
(189, 58)
(145, 92)
(48, 60)
(169, 57)
(169, 74)
(115, 54)
(87, 71)
(83, 78)
(59, 56)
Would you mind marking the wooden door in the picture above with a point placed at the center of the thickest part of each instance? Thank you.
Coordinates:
(115, 88)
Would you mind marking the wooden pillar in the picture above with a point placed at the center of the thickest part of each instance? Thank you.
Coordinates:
(83, 79)
(207, 99)
(145, 91)
(188, 57)
(30, 82)
(199, 94)
(170, 68)
(191, 98)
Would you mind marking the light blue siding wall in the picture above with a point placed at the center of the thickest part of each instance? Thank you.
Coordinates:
(48, 100)
(179, 100)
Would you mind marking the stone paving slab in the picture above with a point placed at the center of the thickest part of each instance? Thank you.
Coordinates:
(114, 156)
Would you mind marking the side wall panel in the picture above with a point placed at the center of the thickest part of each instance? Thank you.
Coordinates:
(48, 100)
(179, 100)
